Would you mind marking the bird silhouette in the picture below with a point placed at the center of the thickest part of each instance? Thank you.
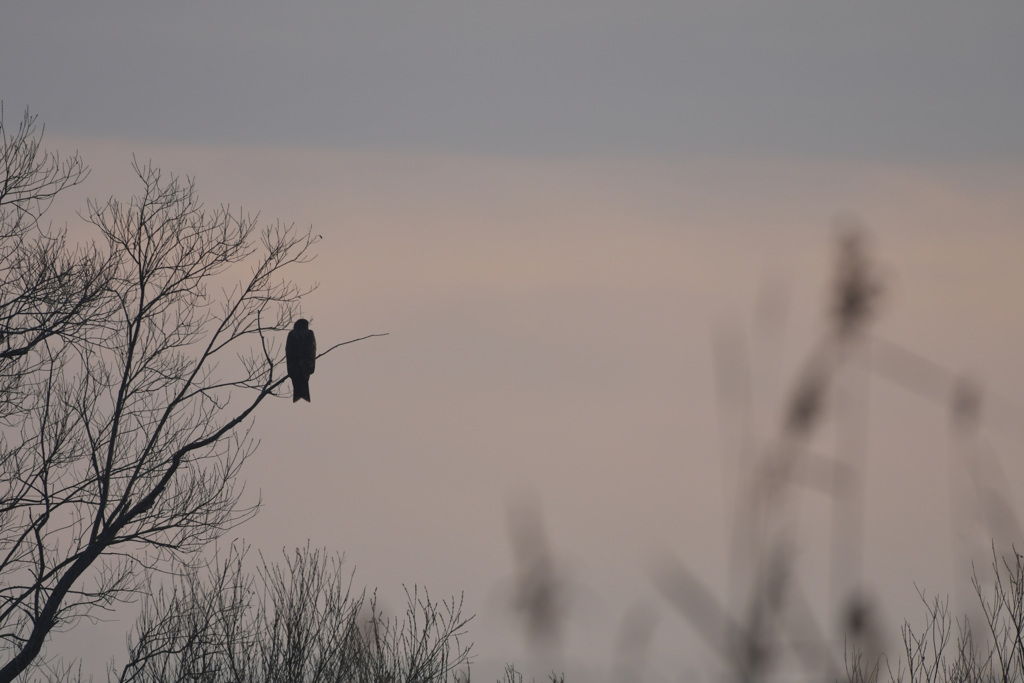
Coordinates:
(300, 356)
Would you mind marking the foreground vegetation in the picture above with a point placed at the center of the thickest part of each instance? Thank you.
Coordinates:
(125, 397)
(299, 622)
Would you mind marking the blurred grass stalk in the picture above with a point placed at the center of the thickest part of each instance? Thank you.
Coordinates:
(769, 628)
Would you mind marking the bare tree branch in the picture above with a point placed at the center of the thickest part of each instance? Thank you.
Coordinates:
(129, 374)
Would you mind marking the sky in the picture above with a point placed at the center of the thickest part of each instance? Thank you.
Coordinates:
(558, 212)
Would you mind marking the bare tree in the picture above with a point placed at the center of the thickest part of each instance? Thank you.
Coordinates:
(46, 290)
(296, 622)
(130, 371)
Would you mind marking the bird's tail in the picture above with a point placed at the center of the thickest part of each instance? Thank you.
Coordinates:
(300, 389)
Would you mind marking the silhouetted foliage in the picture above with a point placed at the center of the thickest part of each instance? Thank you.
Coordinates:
(296, 622)
(128, 372)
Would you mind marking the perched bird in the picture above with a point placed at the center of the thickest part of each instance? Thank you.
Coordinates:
(300, 355)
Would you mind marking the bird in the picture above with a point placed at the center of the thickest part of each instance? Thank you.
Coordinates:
(300, 357)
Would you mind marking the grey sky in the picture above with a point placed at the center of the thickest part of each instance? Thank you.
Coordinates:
(552, 207)
(924, 79)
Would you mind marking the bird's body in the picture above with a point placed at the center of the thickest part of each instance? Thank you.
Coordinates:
(300, 356)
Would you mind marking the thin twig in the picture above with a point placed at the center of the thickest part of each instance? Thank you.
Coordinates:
(352, 341)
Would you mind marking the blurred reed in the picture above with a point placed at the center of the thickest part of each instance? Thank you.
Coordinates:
(768, 629)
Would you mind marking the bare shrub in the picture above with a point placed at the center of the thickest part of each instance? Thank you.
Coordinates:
(293, 622)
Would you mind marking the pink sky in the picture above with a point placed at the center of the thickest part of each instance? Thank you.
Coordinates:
(551, 329)
(555, 210)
